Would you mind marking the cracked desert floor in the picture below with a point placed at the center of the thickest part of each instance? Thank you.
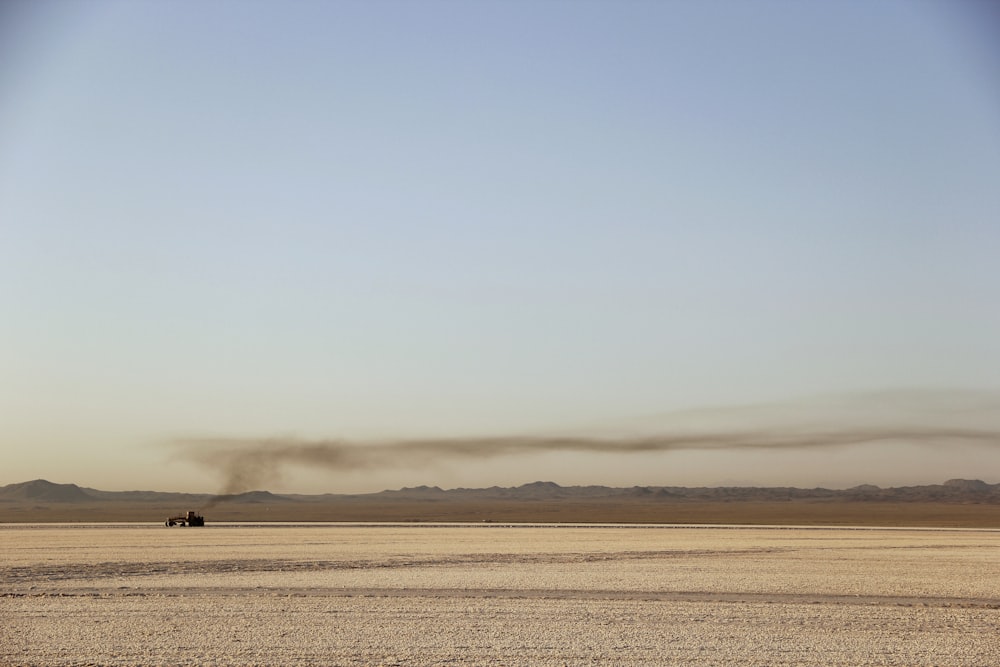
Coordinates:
(418, 594)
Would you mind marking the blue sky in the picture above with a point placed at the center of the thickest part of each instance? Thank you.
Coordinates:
(402, 219)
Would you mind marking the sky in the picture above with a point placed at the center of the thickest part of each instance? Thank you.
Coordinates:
(240, 223)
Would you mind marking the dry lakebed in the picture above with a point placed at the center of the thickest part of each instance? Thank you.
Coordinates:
(496, 594)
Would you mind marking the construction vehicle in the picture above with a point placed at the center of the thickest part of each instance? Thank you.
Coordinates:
(190, 519)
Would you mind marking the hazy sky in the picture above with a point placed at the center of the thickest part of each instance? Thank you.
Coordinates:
(324, 220)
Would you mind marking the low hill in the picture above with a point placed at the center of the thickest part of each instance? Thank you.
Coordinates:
(42, 490)
(953, 490)
(252, 497)
(956, 502)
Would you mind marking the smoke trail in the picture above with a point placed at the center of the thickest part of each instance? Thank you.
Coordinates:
(251, 464)
(911, 416)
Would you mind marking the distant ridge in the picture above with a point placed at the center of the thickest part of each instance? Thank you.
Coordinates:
(951, 491)
(954, 490)
(976, 485)
(45, 491)
(253, 497)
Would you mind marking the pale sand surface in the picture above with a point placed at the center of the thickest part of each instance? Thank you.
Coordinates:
(336, 594)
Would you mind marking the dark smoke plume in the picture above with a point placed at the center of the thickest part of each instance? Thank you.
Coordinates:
(251, 464)
(247, 464)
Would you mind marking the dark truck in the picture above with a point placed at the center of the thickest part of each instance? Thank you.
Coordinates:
(190, 519)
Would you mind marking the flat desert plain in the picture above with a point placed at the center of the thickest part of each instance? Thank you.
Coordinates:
(419, 594)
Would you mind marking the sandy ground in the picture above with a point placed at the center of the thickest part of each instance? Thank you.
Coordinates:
(341, 594)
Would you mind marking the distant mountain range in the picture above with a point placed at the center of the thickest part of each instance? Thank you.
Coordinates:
(952, 491)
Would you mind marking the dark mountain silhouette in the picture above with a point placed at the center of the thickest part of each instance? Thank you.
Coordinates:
(144, 496)
(253, 497)
(975, 485)
(42, 490)
(951, 491)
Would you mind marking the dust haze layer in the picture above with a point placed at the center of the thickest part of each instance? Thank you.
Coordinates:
(923, 418)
